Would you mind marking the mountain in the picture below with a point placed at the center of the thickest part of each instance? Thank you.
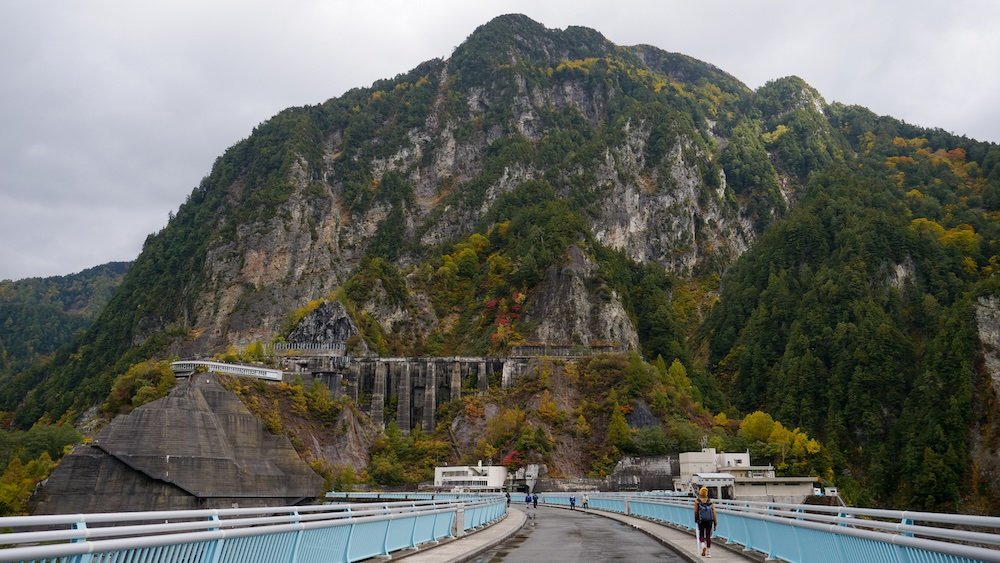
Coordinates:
(813, 260)
(39, 315)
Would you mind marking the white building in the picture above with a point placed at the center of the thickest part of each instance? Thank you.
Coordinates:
(470, 478)
(731, 476)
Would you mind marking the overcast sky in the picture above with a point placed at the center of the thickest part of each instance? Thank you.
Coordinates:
(113, 111)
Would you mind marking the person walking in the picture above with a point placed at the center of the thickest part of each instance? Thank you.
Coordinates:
(527, 501)
(705, 521)
(572, 502)
(534, 500)
(508, 498)
(586, 501)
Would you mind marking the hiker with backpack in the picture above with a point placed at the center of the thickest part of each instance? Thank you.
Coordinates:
(705, 520)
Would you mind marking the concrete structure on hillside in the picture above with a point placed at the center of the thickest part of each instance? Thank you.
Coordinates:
(470, 478)
(198, 447)
(731, 476)
(648, 473)
(405, 390)
(327, 346)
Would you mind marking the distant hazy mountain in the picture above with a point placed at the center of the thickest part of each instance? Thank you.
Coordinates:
(39, 315)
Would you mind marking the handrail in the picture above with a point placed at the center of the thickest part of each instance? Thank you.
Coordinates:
(204, 532)
(299, 346)
(259, 372)
(770, 527)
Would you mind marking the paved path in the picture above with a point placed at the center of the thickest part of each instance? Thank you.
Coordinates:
(564, 536)
(471, 545)
(682, 542)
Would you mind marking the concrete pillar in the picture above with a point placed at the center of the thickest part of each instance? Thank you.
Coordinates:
(336, 385)
(507, 377)
(378, 395)
(403, 404)
(481, 379)
(430, 397)
(456, 380)
(354, 372)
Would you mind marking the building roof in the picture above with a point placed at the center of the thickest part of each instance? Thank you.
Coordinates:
(777, 479)
(714, 476)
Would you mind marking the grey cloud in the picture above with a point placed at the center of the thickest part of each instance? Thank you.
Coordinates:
(113, 111)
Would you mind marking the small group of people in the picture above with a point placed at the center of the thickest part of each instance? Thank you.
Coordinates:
(705, 521)
(572, 501)
(531, 501)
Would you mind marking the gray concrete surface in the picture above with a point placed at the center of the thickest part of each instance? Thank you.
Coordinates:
(470, 545)
(198, 447)
(564, 536)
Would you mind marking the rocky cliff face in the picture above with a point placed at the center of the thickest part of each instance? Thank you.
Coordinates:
(985, 438)
(670, 205)
(330, 322)
(574, 313)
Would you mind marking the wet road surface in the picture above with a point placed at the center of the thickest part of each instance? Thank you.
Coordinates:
(565, 536)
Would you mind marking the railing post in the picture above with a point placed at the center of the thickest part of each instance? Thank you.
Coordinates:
(459, 521)
(298, 539)
(747, 547)
(434, 525)
(413, 528)
(216, 552)
(628, 508)
(83, 557)
(350, 534)
(906, 522)
(388, 526)
(795, 532)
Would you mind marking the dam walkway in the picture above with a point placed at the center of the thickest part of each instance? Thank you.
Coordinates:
(435, 527)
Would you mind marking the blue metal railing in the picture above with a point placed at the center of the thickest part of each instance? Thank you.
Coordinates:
(478, 510)
(303, 534)
(809, 533)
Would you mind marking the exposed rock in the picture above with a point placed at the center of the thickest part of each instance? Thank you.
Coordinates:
(569, 312)
(899, 275)
(199, 447)
(329, 322)
(988, 322)
(985, 438)
(671, 219)
(352, 442)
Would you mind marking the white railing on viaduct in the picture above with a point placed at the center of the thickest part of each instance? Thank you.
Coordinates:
(191, 366)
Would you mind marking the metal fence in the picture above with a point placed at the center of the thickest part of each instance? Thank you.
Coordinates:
(304, 348)
(801, 533)
(301, 534)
